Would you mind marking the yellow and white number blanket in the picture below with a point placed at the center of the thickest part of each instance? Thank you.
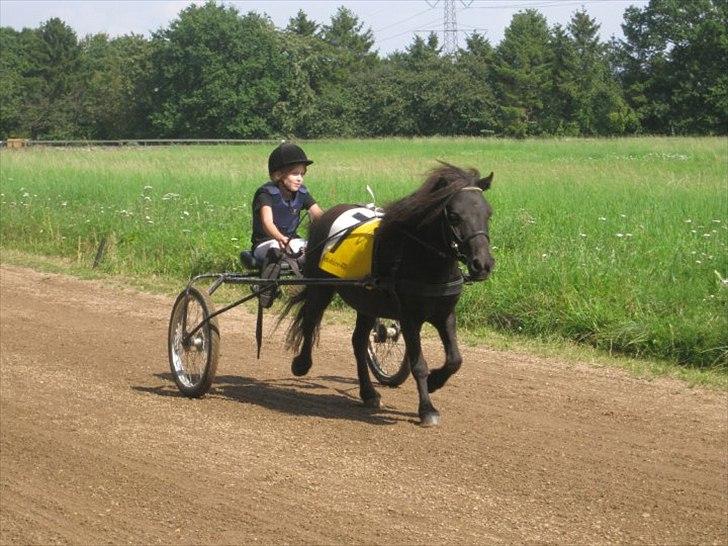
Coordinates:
(348, 251)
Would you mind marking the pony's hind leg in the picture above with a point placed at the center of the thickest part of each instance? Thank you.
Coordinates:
(447, 330)
(360, 341)
(308, 320)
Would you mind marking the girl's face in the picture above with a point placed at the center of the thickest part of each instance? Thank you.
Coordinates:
(293, 180)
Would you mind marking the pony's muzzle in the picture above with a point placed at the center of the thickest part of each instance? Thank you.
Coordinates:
(479, 269)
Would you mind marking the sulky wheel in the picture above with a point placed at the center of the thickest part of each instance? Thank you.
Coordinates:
(385, 356)
(193, 361)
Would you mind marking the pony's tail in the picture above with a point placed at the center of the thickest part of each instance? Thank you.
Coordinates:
(294, 334)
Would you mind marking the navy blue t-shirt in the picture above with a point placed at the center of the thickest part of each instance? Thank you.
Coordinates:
(286, 213)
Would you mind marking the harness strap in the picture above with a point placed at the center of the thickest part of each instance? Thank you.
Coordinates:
(451, 288)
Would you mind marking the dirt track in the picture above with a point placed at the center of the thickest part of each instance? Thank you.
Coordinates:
(96, 446)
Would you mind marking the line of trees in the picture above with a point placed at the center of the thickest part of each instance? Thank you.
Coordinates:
(217, 73)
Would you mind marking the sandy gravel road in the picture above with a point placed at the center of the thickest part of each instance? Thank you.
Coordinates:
(96, 445)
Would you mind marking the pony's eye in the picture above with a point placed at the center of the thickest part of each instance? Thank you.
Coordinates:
(453, 218)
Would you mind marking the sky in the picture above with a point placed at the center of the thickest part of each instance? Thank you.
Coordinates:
(394, 22)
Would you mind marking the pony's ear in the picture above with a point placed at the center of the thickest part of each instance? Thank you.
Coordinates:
(440, 184)
(484, 183)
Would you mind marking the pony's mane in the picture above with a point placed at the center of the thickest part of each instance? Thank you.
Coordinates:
(426, 203)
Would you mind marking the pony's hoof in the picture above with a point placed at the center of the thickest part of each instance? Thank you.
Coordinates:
(373, 403)
(300, 366)
(430, 419)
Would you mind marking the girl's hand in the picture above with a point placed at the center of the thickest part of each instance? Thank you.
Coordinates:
(282, 241)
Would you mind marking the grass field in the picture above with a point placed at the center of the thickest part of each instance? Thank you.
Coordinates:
(620, 244)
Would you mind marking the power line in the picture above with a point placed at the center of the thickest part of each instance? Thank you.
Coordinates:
(403, 20)
(429, 23)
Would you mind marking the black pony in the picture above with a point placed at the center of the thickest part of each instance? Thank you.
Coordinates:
(417, 248)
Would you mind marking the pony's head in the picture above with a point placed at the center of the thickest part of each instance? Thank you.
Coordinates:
(451, 198)
(466, 217)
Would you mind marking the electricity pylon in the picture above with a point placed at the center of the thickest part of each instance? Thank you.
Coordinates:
(450, 24)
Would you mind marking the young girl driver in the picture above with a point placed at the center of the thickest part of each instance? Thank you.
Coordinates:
(277, 204)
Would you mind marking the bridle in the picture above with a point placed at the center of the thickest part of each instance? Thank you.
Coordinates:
(455, 242)
(451, 237)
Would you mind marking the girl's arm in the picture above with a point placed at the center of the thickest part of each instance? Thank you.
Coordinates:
(266, 218)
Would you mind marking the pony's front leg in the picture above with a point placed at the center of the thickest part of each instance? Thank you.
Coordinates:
(429, 416)
(453, 360)
(360, 341)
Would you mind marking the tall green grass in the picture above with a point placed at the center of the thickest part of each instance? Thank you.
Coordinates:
(620, 244)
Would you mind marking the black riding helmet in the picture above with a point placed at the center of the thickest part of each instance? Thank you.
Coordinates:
(286, 154)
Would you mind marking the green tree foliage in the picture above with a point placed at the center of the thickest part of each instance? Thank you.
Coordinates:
(428, 94)
(346, 33)
(522, 73)
(116, 91)
(672, 64)
(476, 62)
(58, 63)
(21, 84)
(311, 70)
(302, 25)
(217, 75)
(584, 97)
(347, 46)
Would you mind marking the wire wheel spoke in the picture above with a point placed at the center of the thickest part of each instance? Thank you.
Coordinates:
(386, 354)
